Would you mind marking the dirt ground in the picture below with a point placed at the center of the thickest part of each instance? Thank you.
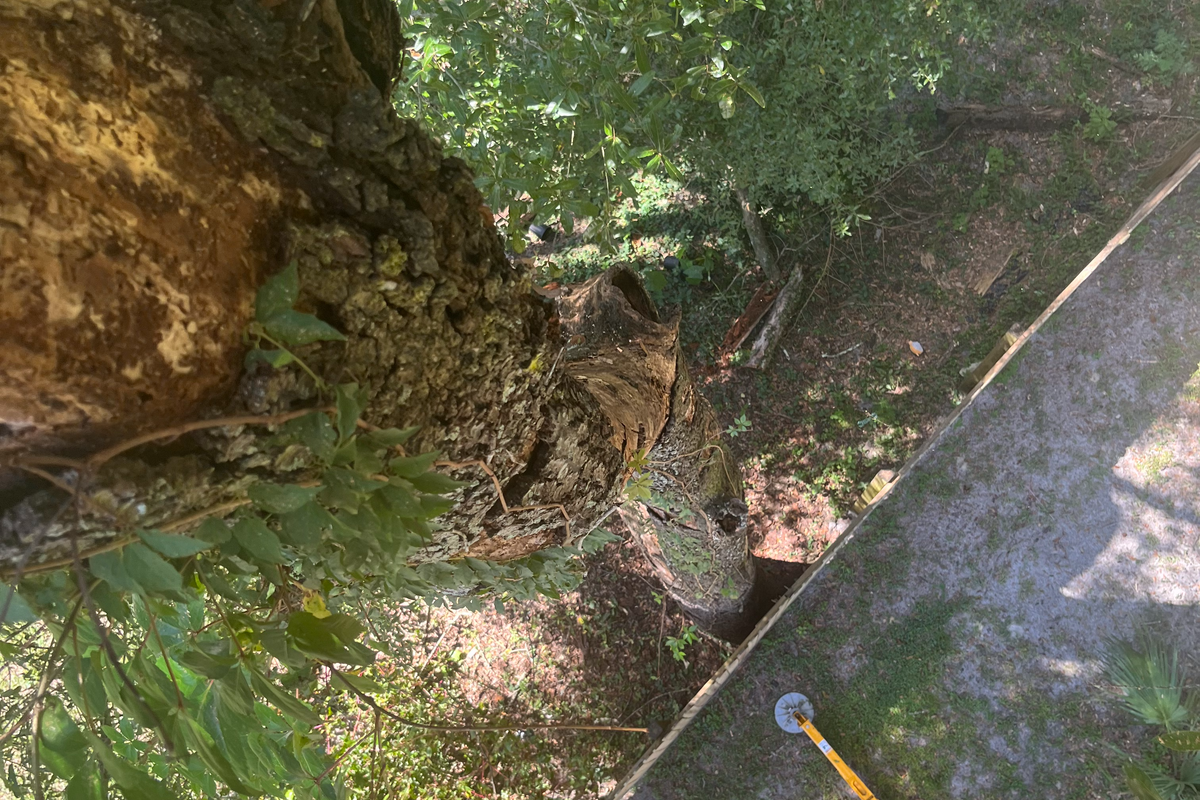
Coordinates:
(952, 648)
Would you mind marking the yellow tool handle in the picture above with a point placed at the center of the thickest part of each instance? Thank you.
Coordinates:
(825, 747)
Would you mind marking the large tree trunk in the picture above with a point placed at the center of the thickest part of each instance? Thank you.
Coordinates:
(158, 160)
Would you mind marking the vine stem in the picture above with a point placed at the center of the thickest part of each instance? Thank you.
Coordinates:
(178, 430)
(97, 460)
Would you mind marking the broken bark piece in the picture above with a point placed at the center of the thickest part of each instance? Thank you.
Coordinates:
(975, 375)
(744, 325)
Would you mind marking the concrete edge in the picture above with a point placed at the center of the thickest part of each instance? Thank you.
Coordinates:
(743, 651)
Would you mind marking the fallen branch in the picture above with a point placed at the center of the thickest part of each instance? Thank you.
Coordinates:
(842, 352)
(781, 316)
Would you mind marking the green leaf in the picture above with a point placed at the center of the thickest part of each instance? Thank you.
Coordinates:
(344, 626)
(305, 527)
(172, 545)
(367, 457)
(281, 498)
(135, 784)
(401, 500)
(1140, 784)
(298, 328)
(316, 433)
(350, 404)
(412, 466)
(641, 56)
(258, 540)
(351, 480)
(63, 765)
(210, 666)
(289, 706)
(199, 742)
(641, 84)
(110, 567)
(276, 643)
(85, 785)
(59, 731)
(149, 570)
(755, 94)
(437, 483)
(279, 293)
(1183, 741)
(235, 695)
(312, 636)
(595, 540)
(18, 610)
(343, 680)
(392, 437)
(435, 505)
(214, 531)
(275, 358)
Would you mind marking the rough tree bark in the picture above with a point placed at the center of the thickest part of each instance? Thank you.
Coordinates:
(160, 158)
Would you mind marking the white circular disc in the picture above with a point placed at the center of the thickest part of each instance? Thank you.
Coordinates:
(787, 706)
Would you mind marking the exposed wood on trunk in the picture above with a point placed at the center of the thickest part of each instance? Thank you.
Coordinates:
(692, 526)
(763, 251)
(777, 322)
(622, 354)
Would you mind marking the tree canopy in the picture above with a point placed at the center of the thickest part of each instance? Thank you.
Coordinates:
(557, 103)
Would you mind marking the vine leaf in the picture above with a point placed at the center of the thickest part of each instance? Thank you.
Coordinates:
(412, 466)
(110, 568)
(437, 483)
(173, 545)
(280, 498)
(279, 293)
(392, 437)
(214, 531)
(259, 540)
(274, 358)
(316, 433)
(351, 400)
(298, 328)
(150, 570)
